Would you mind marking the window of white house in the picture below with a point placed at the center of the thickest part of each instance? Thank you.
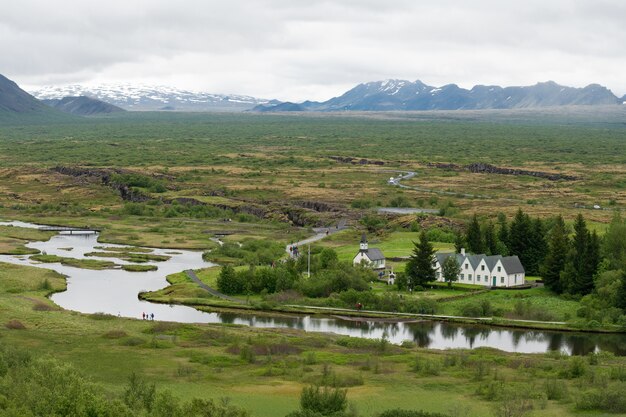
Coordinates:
(466, 266)
(501, 280)
(482, 267)
(499, 269)
(486, 278)
(462, 276)
(516, 279)
(469, 276)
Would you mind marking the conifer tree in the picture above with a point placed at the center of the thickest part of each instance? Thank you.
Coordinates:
(537, 248)
(614, 243)
(554, 262)
(474, 238)
(491, 241)
(421, 269)
(520, 238)
(503, 235)
(583, 259)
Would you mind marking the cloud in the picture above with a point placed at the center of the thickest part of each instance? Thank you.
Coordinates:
(299, 50)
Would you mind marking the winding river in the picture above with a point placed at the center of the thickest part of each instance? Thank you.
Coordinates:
(114, 291)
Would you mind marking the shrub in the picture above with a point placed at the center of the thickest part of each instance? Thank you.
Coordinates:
(325, 401)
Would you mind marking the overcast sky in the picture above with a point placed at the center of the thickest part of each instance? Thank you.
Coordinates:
(297, 50)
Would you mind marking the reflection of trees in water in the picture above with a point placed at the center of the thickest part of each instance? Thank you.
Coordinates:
(449, 332)
(424, 333)
(580, 344)
(555, 341)
(472, 333)
(421, 333)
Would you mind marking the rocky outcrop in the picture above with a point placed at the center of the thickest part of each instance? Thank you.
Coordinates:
(482, 168)
(356, 161)
(490, 169)
(103, 175)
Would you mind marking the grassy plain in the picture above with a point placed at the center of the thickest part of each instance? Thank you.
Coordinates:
(264, 370)
(271, 177)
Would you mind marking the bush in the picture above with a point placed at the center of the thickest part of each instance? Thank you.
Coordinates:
(610, 400)
(409, 413)
(325, 401)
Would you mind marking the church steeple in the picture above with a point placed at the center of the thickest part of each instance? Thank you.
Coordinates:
(363, 245)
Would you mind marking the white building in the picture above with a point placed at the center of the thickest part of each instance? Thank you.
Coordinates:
(488, 271)
(372, 257)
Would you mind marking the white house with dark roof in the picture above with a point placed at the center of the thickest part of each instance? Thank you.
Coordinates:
(489, 271)
(372, 257)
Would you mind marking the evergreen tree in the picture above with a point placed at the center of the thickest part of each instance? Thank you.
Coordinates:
(420, 269)
(491, 241)
(503, 235)
(614, 243)
(537, 249)
(580, 274)
(459, 242)
(520, 238)
(554, 262)
(474, 237)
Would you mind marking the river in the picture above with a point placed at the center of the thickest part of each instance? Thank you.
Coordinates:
(114, 291)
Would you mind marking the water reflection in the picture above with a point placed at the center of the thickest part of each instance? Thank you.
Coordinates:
(115, 292)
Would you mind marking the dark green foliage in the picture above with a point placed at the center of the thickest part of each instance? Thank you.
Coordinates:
(450, 270)
(420, 269)
(614, 243)
(325, 401)
(491, 240)
(520, 238)
(137, 180)
(583, 260)
(328, 258)
(340, 278)
(139, 394)
(554, 261)
(621, 293)
(459, 242)
(228, 281)
(536, 252)
(503, 235)
(474, 237)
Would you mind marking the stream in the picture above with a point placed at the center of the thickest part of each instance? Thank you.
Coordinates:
(114, 291)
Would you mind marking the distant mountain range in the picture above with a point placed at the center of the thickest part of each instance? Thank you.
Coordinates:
(389, 95)
(82, 106)
(146, 98)
(395, 95)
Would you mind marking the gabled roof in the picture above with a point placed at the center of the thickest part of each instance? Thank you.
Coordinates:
(475, 260)
(441, 257)
(492, 261)
(374, 254)
(512, 265)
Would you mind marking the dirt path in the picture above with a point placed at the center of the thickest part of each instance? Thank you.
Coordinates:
(192, 275)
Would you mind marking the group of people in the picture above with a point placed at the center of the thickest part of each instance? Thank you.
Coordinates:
(147, 316)
(293, 249)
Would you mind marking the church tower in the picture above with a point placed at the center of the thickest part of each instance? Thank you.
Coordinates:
(363, 245)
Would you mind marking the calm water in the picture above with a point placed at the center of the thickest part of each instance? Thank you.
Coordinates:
(115, 292)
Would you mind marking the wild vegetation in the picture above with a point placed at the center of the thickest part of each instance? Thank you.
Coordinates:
(260, 183)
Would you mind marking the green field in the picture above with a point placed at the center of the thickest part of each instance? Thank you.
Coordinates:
(179, 181)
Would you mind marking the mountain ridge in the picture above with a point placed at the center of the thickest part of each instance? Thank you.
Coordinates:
(404, 95)
(82, 106)
(153, 98)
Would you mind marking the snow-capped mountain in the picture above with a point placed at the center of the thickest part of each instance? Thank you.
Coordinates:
(141, 97)
(407, 95)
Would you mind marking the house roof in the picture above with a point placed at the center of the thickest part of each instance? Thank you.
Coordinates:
(512, 265)
(492, 261)
(374, 254)
(441, 257)
(475, 260)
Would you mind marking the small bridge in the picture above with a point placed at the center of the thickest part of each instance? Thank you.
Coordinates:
(71, 230)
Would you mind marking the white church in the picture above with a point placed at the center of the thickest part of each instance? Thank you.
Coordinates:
(372, 257)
